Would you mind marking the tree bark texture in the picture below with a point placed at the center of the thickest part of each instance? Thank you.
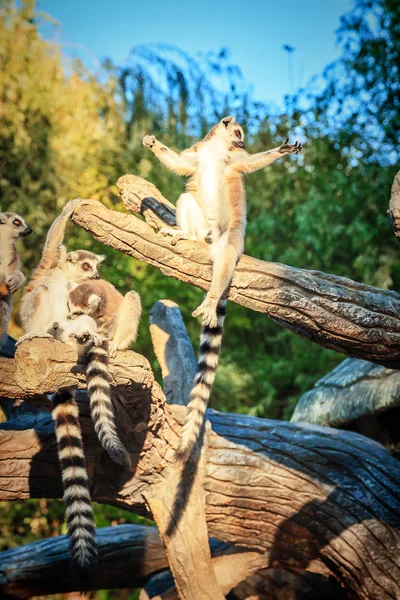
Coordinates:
(352, 318)
(42, 568)
(307, 498)
(359, 396)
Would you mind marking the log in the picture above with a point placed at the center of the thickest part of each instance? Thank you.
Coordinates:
(308, 498)
(352, 318)
(43, 567)
(359, 396)
(173, 350)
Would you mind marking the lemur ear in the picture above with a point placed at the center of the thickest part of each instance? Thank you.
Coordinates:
(101, 257)
(72, 257)
(71, 285)
(3, 219)
(226, 120)
(94, 301)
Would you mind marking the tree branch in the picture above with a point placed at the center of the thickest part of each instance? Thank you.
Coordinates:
(173, 350)
(314, 499)
(358, 320)
(43, 567)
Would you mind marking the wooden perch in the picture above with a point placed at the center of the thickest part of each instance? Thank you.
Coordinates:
(42, 568)
(306, 498)
(173, 350)
(358, 320)
(359, 396)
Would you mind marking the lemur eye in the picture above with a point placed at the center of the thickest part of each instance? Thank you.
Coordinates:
(17, 222)
(86, 266)
(238, 133)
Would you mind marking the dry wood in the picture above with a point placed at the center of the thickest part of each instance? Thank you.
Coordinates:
(43, 567)
(173, 350)
(358, 320)
(315, 499)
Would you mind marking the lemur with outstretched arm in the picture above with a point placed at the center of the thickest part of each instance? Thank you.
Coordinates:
(12, 228)
(117, 321)
(213, 209)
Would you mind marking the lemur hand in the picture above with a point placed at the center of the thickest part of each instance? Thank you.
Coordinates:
(15, 281)
(286, 148)
(149, 141)
(70, 207)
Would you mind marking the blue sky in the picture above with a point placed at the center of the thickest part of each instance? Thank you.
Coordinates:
(254, 32)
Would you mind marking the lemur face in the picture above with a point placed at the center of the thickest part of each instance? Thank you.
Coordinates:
(14, 224)
(232, 132)
(83, 265)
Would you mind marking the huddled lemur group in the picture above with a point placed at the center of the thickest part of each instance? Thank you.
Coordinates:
(67, 300)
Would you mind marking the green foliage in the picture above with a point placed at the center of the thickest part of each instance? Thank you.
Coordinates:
(67, 133)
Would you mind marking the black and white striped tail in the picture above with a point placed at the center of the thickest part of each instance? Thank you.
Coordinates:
(80, 521)
(210, 347)
(101, 407)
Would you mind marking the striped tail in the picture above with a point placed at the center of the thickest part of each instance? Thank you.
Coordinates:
(101, 407)
(80, 521)
(210, 348)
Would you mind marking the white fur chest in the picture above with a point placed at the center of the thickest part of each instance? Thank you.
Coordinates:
(57, 285)
(5, 256)
(212, 161)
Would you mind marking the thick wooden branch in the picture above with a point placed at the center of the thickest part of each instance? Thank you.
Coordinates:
(313, 499)
(43, 567)
(358, 320)
(173, 350)
(353, 390)
(359, 396)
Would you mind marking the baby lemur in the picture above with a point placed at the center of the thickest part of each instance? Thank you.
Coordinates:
(213, 209)
(117, 320)
(12, 228)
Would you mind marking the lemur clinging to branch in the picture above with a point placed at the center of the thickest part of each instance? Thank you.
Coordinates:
(213, 209)
(12, 228)
(117, 320)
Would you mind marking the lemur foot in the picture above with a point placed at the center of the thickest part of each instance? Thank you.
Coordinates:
(112, 350)
(34, 335)
(85, 336)
(176, 234)
(15, 281)
(287, 148)
(208, 310)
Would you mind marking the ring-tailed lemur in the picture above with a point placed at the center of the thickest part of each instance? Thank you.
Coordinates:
(213, 209)
(12, 228)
